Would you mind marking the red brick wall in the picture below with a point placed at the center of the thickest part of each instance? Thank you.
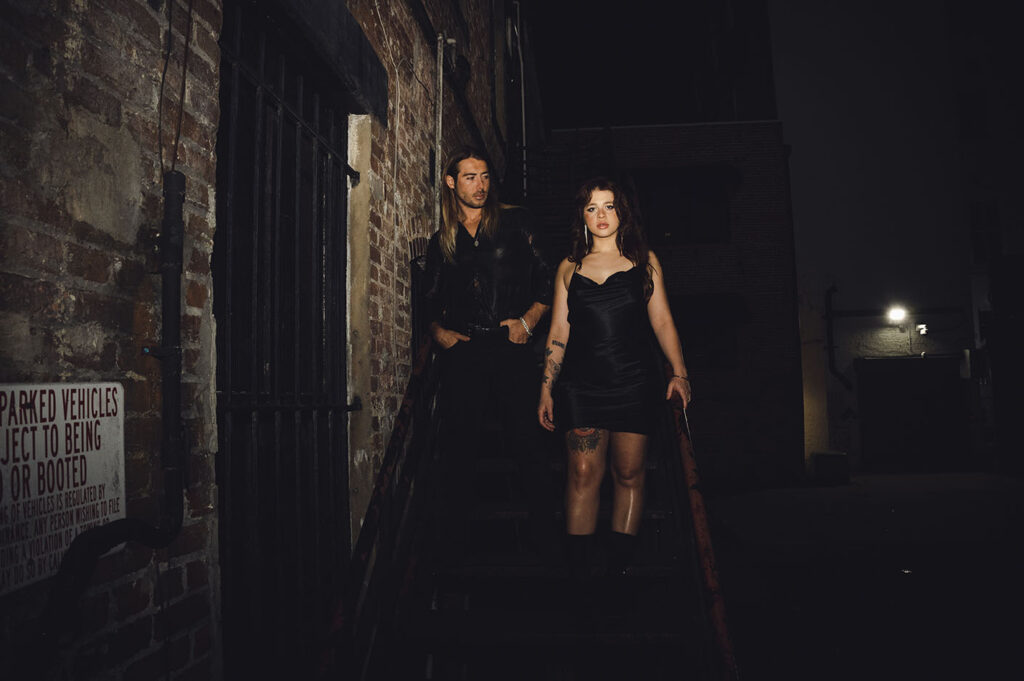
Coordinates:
(402, 196)
(80, 182)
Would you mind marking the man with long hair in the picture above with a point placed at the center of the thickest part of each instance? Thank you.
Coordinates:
(487, 289)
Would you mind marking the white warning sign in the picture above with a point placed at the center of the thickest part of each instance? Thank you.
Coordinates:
(61, 472)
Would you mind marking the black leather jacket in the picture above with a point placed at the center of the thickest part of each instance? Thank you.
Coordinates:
(496, 279)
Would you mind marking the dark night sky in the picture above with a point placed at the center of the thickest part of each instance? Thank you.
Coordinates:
(605, 66)
(866, 98)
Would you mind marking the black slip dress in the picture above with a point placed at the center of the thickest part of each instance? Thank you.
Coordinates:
(610, 375)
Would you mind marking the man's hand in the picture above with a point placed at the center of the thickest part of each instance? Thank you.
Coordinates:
(446, 338)
(516, 331)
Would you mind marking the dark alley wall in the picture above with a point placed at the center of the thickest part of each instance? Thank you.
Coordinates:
(80, 181)
(903, 124)
(80, 185)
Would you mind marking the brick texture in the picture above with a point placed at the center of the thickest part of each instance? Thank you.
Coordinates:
(402, 196)
(82, 151)
(80, 181)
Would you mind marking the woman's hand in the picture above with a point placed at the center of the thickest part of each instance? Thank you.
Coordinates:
(680, 386)
(546, 411)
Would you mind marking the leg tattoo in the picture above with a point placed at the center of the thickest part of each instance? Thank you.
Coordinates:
(580, 439)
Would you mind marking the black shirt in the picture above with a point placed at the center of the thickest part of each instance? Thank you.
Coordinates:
(492, 279)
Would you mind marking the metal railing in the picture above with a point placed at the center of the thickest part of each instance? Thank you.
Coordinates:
(381, 559)
(726, 667)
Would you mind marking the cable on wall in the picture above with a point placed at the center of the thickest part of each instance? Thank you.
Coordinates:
(163, 80)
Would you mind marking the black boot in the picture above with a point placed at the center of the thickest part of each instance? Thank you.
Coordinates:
(619, 590)
(579, 592)
(621, 547)
(579, 551)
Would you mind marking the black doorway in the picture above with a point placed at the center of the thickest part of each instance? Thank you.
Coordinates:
(279, 302)
(914, 415)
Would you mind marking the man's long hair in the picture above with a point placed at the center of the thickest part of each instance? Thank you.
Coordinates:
(450, 211)
(629, 238)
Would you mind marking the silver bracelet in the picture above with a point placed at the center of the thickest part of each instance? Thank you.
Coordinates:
(529, 332)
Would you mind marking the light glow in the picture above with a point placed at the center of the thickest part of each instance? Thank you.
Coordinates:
(897, 314)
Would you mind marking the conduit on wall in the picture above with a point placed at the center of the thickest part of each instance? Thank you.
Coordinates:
(79, 561)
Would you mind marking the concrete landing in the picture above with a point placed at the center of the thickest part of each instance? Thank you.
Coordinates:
(889, 577)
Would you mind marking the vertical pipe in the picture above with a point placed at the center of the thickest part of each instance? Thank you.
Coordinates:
(79, 561)
(830, 338)
(522, 96)
(438, 112)
(172, 256)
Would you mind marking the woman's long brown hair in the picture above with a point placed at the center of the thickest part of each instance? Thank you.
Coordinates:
(630, 237)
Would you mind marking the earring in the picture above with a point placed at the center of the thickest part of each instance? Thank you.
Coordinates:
(586, 237)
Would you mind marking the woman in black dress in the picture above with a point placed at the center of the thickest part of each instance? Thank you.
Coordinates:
(603, 384)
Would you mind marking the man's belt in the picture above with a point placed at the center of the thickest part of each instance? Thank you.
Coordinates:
(479, 331)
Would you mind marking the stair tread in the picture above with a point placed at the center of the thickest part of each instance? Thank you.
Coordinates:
(501, 464)
(542, 627)
(534, 569)
(518, 509)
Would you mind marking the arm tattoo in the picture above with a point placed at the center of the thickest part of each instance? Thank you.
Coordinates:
(554, 368)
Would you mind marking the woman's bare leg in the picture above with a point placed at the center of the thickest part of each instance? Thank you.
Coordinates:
(587, 448)
(629, 454)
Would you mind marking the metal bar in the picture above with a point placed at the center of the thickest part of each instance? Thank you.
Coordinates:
(292, 111)
(227, 459)
(305, 518)
(250, 499)
(309, 249)
(340, 462)
(313, 458)
(317, 302)
(298, 354)
(275, 394)
(325, 517)
(347, 610)
(269, 405)
(327, 583)
(702, 535)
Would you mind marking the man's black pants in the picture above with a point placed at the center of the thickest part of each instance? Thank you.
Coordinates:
(488, 408)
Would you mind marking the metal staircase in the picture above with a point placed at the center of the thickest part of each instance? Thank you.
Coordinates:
(505, 608)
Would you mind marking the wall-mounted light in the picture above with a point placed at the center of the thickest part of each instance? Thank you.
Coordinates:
(897, 314)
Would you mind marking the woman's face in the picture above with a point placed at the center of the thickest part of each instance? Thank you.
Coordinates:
(599, 214)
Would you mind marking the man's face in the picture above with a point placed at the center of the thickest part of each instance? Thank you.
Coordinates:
(472, 184)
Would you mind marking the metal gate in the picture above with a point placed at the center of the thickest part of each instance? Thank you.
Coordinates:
(279, 303)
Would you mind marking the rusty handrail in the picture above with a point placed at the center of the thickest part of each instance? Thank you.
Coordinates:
(705, 550)
(364, 555)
